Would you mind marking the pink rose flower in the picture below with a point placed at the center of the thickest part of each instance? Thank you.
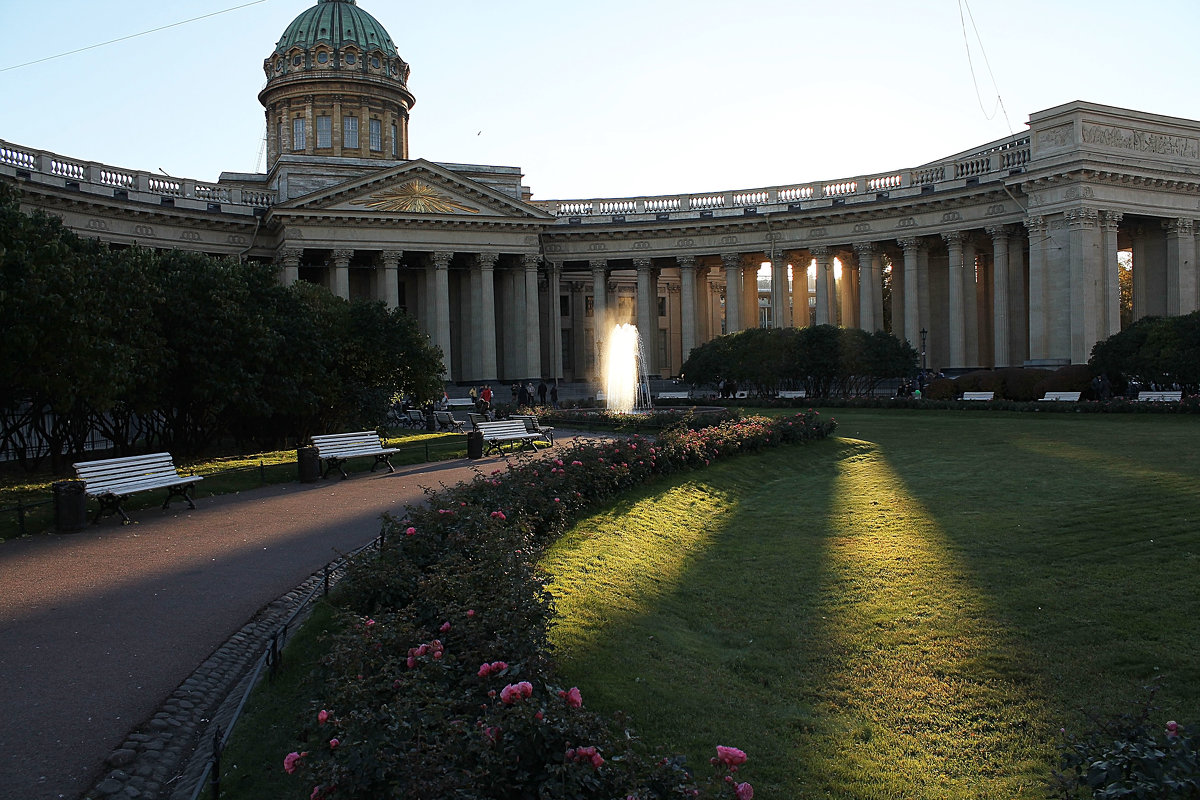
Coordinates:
(445, 627)
(290, 761)
(1172, 729)
(333, 744)
(744, 791)
(573, 697)
(322, 716)
(470, 612)
(410, 531)
(730, 756)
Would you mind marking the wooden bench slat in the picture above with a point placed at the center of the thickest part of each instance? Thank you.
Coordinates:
(110, 480)
(335, 448)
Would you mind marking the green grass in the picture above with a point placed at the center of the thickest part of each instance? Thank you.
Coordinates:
(222, 475)
(910, 610)
(275, 715)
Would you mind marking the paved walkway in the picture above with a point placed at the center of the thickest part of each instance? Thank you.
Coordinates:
(100, 629)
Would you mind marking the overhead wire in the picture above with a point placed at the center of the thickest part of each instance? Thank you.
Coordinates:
(130, 36)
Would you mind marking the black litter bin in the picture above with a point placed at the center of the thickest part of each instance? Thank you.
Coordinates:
(70, 506)
(474, 444)
(309, 464)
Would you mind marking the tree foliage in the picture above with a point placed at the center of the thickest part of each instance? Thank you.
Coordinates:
(176, 350)
(1154, 351)
(824, 360)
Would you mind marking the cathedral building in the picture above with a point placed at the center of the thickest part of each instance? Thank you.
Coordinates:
(1005, 254)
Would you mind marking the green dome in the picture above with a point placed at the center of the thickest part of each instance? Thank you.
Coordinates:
(336, 23)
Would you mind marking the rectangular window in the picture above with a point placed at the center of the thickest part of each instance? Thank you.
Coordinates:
(589, 306)
(564, 305)
(662, 306)
(298, 141)
(376, 135)
(350, 132)
(324, 131)
(394, 142)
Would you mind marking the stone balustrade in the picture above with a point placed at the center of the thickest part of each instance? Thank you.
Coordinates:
(994, 161)
(133, 182)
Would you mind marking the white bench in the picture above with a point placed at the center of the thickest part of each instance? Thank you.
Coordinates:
(111, 480)
(978, 395)
(1069, 397)
(792, 394)
(673, 396)
(533, 426)
(1160, 397)
(460, 402)
(447, 422)
(496, 434)
(416, 418)
(336, 448)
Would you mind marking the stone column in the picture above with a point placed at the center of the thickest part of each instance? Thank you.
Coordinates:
(600, 325)
(647, 296)
(1038, 342)
(780, 318)
(750, 265)
(825, 311)
(1001, 238)
(1085, 295)
(440, 308)
(957, 321)
(1110, 222)
(390, 261)
(533, 339)
(1181, 266)
(867, 254)
(970, 303)
(733, 291)
(341, 273)
(289, 259)
(554, 370)
(485, 320)
(912, 297)
(578, 330)
(687, 304)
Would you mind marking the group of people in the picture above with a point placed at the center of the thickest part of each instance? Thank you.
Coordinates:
(524, 394)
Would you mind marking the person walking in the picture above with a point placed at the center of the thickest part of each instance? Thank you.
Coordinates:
(541, 390)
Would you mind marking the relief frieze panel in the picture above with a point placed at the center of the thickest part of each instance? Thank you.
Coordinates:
(1141, 141)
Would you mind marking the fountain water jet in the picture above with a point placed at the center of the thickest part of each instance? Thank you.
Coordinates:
(626, 385)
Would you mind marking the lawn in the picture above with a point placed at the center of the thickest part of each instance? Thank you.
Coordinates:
(910, 610)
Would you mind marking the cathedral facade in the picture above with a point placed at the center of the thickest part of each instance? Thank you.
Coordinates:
(1005, 254)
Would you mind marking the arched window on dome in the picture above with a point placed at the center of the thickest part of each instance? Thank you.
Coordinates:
(350, 57)
(323, 57)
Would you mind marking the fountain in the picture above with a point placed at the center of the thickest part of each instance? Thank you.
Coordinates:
(626, 386)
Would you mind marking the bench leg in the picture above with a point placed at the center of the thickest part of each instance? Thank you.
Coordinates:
(182, 492)
(334, 463)
(111, 504)
(383, 459)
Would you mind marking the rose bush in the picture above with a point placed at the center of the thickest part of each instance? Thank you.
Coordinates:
(440, 682)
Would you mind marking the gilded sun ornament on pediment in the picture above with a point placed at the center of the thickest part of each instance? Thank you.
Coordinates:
(414, 197)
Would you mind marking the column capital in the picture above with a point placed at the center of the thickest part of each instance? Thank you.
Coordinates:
(1082, 217)
(954, 238)
(1036, 223)
(341, 258)
(731, 260)
(999, 231)
(289, 256)
(441, 259)
(598, 265)
(530, 261)
(1110, 220)
(642, 263)
(486, 260)
(910, 245)
(821, 251)
(391, 258)
(867, 249)
(686, 262)
(1179, 227)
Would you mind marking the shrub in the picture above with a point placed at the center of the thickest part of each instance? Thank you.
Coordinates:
(1071, 378)
(1130, 757)
(441, 683)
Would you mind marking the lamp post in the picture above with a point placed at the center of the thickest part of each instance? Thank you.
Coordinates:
(924, 336)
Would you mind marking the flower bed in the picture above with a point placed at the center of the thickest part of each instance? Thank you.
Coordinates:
(442, 683)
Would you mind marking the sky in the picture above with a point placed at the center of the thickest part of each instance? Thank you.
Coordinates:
(606, 99)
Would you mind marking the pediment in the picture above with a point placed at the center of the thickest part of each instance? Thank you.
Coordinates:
(417, 190)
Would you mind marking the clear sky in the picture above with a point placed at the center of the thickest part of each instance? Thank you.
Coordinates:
(608, 99)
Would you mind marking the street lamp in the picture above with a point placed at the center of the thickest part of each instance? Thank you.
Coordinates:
(924, 336)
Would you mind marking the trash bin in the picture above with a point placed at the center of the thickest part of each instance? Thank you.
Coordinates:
(430, 421)
(474, 444)
(309, 464)
(70, 506)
